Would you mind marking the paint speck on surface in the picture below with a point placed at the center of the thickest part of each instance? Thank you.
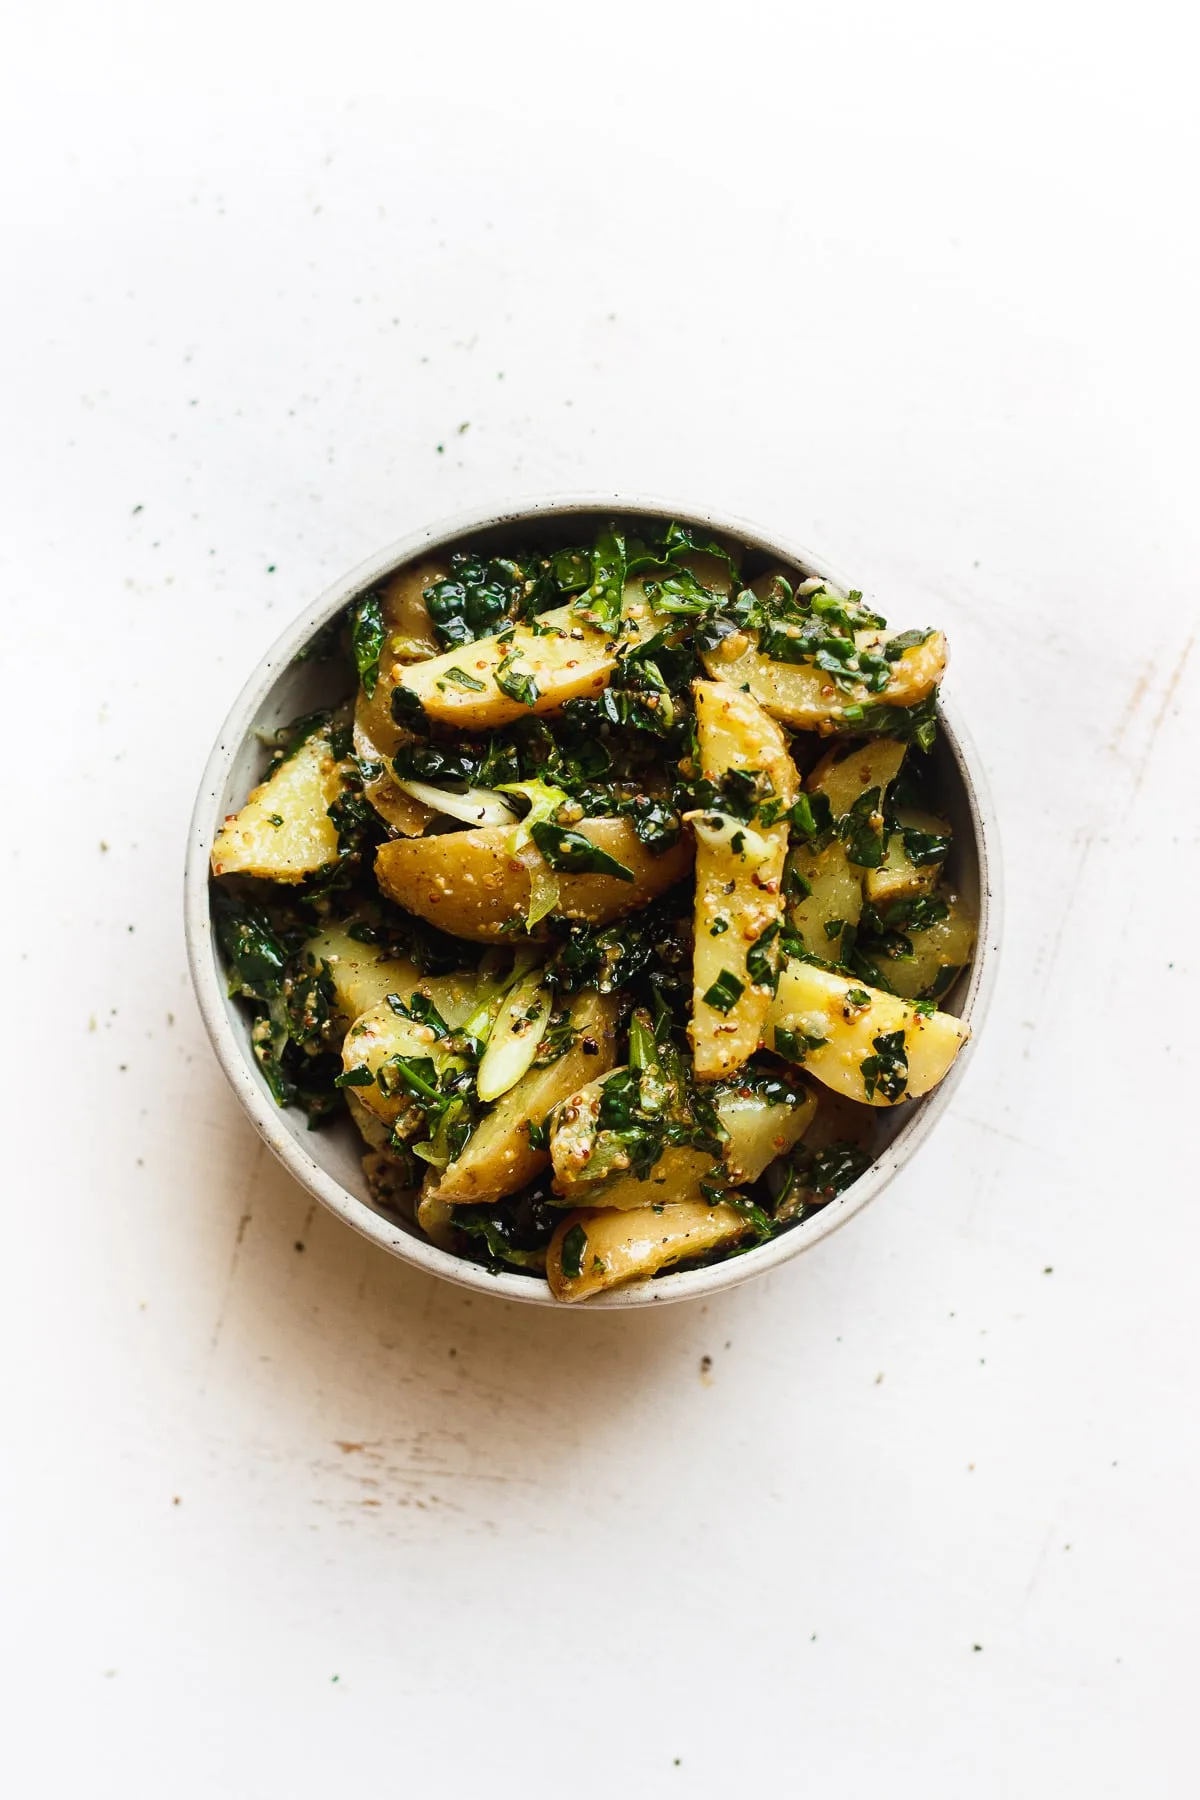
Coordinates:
(1047, 1271)
(103, 846)
(879, 1378)
(977, 1646)
(465, 426)
(176, 1499)
(298, 1245)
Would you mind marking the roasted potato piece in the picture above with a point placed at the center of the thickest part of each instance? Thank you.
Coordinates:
(834, 898)
(759, 1131)
(362, 976)
(498, 1157)
(939, 953)
(858, 1040)
(473, 885)
(806, 697)
(593, 1250)
(369, 1046)
(411, 635)
(375, 1133)
(899, 877)
(843, 775)
(739, 873)
(284, 832)
(377, 737)
(401, 811)
(562, 660)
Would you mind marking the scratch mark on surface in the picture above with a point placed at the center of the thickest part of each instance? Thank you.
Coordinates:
(248, 1187)
(998, 1131)
(1140, 689)
(1160, 716)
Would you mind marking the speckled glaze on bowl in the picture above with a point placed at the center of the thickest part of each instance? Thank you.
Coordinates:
(327, 1163)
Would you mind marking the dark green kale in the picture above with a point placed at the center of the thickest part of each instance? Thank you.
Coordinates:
(925, 847)
(649, 952)
(600, 604)
(514, 1232)
(574, 1248)
(290, 1002)
(421, 1009)
(887, 1071)
(257, 960)
(406, 709)
(478, 597)
(570, 853)
(725, 992)
(794, 1046)
(762, 958)
(519, 684)
(368, 634)
(861, 830)
(812, 817)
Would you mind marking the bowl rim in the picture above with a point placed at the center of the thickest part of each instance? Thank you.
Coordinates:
(266, 1117)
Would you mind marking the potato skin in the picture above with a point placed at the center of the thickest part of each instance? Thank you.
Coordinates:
(473, 885)
(632, 1246)
(498, 1158)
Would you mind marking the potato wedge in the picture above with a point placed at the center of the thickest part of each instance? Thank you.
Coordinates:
(805, 697)
(473, 885)
(401, 811)
(594, 1250)
(758, 1132)
(835, 897)
(363, 976)
(738, 880)
(878, 1049)
(938, 954)
(844, 774)
(498, 1158)
(284, 832)
(377, 737)
(411, 634)
(898, 877)
(564, 659)
(375, 1134)
(370, 1044)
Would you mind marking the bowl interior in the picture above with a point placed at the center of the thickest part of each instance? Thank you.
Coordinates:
(327, 1162)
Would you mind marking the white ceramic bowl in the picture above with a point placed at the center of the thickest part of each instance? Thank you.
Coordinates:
(327, 1162)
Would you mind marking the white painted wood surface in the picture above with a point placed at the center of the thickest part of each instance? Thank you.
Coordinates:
(917, 284)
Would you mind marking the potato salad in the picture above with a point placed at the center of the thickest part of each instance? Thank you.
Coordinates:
(612, 903)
